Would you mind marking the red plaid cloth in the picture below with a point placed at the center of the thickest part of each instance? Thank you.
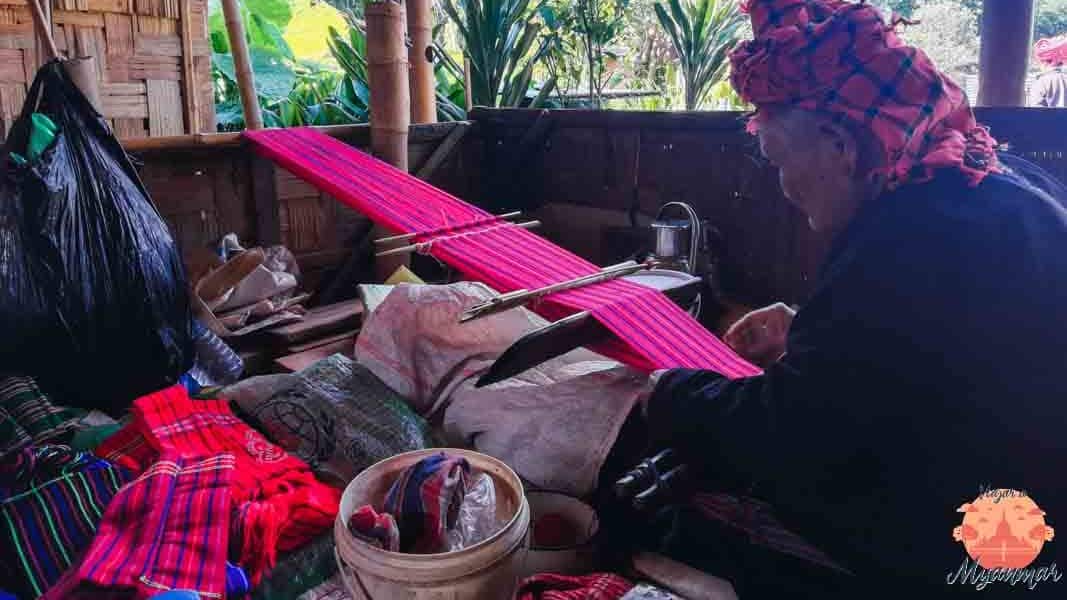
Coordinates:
(1052, 51)
(168, 529)
(278, 503)
(841, 58)
(598, 586)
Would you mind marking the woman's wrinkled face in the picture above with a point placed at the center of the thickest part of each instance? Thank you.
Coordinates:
(816, 162)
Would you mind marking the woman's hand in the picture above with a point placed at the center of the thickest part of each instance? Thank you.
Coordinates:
(760, 335)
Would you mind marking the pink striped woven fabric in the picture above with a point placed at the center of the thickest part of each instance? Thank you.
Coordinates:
(653, 332)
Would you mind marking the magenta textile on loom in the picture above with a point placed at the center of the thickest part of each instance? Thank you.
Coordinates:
(653, 332)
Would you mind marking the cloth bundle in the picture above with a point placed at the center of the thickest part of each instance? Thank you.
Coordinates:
(27, 416)
(168, 530)
(277, 502)
(424, 502)
(598, 586)
(51, 501)
(335, 414)
(376, 528)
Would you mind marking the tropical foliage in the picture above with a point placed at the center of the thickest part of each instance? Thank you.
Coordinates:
(702, 31)
(501, 39)
(598, 23)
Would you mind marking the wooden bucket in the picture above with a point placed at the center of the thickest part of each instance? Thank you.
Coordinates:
(489, 569)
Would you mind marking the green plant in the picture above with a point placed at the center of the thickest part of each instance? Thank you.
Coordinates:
(563, 57)
(354, 94)
(500, 37)
(702, 31)
(598, 23)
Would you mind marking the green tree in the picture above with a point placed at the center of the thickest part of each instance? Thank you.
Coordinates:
(703, 32)
(1051, 18)
(948, 32)
(598, 23)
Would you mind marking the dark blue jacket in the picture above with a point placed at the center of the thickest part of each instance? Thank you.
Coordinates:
(930, 362)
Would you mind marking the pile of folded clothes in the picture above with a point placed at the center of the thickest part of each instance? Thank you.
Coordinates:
(182, 494)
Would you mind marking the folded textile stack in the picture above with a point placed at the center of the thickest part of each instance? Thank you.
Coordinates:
(165, 531)
(51, 502)
(278, 503)
(27, 416)
(597, 586)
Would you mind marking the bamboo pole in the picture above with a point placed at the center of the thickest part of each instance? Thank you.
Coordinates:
(1007, 31)
(81, 70)
(390, 103)
(420, 55)
(242, 62)
(468, 93)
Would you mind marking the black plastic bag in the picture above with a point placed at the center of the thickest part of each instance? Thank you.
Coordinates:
(93, 296)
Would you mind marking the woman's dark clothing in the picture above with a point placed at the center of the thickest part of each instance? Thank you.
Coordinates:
(929, 363)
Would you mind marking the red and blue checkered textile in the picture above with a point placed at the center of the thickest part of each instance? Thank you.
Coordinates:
(51, 501)
(278, 503)
(597, 586)
(425, 501)
(167, 530)
(841, 58)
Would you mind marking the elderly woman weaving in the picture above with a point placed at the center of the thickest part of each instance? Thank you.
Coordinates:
(927, 365)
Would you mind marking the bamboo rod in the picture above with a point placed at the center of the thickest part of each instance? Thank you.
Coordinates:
(420, 55)
(191, 93)
(44, 29)
(412, 249)
(242, 62)
(468, 93)
(390, 103)
(487, 220)
(521, 297)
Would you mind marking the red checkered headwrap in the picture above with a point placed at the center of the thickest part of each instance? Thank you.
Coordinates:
(1052, 51)
(841, 59)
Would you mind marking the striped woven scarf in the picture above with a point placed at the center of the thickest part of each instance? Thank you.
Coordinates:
(51, 501)
(277, 501)
(27, 416)
(167, 530)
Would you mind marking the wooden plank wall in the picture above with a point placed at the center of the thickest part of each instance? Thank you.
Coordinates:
(152, 58)
(205, 191)
(593, 167)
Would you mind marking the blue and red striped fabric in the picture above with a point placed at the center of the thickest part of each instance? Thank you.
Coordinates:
(653, 332)
(167, 530)
(425, 501)
(51, 501)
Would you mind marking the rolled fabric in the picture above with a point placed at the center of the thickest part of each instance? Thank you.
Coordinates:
(375, 528)
(425, 502)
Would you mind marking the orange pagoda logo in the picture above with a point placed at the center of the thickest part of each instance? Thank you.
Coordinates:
(1003, 532)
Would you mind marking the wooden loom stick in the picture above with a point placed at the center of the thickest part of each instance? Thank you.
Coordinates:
(416, 247)
(242, 62)
(408, 236)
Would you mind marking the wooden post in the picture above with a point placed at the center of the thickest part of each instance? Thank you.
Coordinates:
(82, 71)
(1007, 35)
(420, 54)
(242, 62)
(390, 102)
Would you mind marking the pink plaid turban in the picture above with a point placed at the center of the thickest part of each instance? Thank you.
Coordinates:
(1052, 51)
(840, 58)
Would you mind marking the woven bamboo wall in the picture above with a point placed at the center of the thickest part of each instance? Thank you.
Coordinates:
(152, 57)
